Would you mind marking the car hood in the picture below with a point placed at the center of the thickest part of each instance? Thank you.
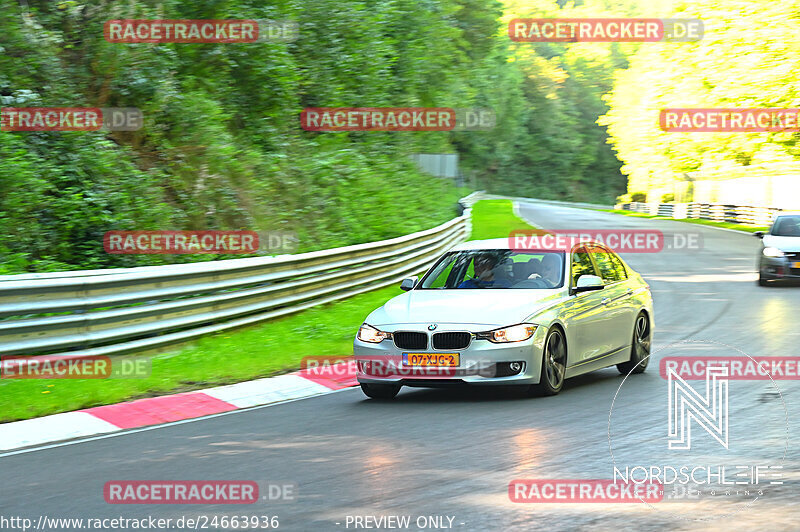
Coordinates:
(479, 306)
(784, 243)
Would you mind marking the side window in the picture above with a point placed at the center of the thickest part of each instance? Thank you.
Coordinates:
(606, 266)
(622, 274)
(443, 273)
(443, 276)
(470, 273)
(581, 265)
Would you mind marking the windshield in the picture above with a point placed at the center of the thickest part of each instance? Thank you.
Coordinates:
(500, 268)
(786, 226)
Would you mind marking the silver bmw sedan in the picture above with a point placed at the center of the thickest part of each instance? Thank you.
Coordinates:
(490, 314)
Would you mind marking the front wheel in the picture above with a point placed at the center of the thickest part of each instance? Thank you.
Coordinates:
(380, 391)
(640, 347)
(554, 365)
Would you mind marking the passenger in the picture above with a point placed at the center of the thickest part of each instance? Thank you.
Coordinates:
(484, 274)
(550, 270)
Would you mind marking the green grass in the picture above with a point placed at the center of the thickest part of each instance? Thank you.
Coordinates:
(495, 219)
(270, 348)
(726, 225)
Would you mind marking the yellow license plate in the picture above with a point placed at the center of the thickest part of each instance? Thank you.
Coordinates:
(796, 265)
(446, 360)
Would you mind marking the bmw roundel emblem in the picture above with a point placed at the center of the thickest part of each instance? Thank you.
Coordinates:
(432, 326)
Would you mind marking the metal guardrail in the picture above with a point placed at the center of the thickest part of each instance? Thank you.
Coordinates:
(739, 214)
(116, 311)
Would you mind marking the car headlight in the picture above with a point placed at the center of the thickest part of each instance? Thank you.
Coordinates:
(772, 252)
(368, 333)
(512, 333)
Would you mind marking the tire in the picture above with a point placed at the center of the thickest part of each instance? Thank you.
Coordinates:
(385, 392)
(640, 346)
(554, 365)
(761, 280)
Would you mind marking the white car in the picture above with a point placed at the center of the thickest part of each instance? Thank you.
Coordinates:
(486, 314)
(779, 258)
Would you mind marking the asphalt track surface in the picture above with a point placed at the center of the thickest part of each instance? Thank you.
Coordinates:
(453, 452)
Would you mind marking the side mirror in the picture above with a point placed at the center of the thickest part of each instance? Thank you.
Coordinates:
(587, 283)
(408, 283)
(759, 234)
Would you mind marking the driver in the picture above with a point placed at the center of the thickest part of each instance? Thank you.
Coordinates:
(484, 274)
(550, 270)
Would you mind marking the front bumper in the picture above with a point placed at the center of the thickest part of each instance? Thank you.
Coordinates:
(775, 268)
(478, 365)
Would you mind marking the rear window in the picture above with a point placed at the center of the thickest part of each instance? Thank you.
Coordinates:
(611, 269)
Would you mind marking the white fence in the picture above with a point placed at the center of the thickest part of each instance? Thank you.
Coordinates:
(739, 214)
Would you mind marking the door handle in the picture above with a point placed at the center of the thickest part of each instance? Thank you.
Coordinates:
(605, 301)
(628, 293)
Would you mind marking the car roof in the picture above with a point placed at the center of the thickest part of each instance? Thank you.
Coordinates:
(500, 243)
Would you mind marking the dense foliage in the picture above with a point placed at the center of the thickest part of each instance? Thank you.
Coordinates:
(748, 58)
(222, 146)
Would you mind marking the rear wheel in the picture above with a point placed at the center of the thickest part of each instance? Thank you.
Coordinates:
(380, 391)
(640, 347)
(554, 365)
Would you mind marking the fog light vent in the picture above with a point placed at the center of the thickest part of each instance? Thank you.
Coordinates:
(506, 369)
